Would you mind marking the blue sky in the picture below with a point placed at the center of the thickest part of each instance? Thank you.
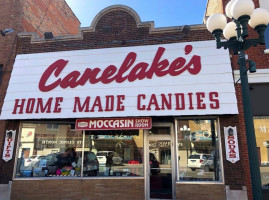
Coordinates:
(163, 12)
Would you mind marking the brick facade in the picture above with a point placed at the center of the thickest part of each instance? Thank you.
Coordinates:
(27, 16)
(134, 34)
(198, 191)
(95, 189)
(262, 61)
(42, 16)
(127, 30)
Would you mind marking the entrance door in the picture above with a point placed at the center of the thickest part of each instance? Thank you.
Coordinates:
(159, 167)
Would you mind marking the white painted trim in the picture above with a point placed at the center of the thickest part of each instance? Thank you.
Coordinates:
(266, 51)
(260, 76)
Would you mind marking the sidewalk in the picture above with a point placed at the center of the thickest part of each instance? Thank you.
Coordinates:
(5, 191)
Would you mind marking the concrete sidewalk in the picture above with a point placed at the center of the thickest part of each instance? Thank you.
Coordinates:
(5, 190)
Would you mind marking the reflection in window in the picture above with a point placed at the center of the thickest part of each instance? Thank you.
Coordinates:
(261, 125)
(119, 153)
(47, 151)
(198, 150)
(53, 150)
(53, 127)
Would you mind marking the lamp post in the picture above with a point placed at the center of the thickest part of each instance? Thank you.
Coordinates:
(186, 131)
(6, 31)
(242, 13)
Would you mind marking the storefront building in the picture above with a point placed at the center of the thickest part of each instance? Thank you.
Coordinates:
(125, 111)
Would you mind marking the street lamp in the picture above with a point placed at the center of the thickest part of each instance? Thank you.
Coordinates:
(6, 31)
(186, 131)
(242, 13)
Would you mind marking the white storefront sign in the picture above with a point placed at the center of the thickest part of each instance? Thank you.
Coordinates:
(9, 145)
(154, 80)
(231, 144)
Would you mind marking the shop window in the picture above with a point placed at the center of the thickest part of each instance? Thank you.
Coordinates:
(113, 153)
(261, 125)
(198, 150)
(66, 152)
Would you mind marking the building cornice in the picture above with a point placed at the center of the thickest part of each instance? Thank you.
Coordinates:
(150, 24)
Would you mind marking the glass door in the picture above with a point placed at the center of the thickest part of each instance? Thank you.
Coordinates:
(159, 165)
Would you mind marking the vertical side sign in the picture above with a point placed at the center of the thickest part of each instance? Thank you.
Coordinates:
(231, 144)
(9, 145)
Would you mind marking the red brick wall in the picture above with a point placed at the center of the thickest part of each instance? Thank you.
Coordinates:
(129, 32)
(235, 175)
(262, 60)
(10, 14)
(6, 168)
(26, 15)
(200, 192)
(94, 189)
(49, 16)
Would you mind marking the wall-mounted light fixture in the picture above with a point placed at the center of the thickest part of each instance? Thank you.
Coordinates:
(6, 31)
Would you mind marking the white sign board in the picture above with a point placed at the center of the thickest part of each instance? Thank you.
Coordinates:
(154, 80)
(9, 145)
(231, 144)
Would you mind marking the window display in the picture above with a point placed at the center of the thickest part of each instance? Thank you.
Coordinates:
(118, 154)
(198, 150)
(261, 125)
(53, 150)
(49, 150)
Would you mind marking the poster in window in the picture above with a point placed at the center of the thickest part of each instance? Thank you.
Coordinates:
(27, 134)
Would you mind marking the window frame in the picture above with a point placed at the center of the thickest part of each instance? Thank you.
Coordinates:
(178, 181)
(63, 177)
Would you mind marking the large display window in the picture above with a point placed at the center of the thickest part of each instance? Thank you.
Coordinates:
(261, 125)
(198, 150)
(57, 150)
